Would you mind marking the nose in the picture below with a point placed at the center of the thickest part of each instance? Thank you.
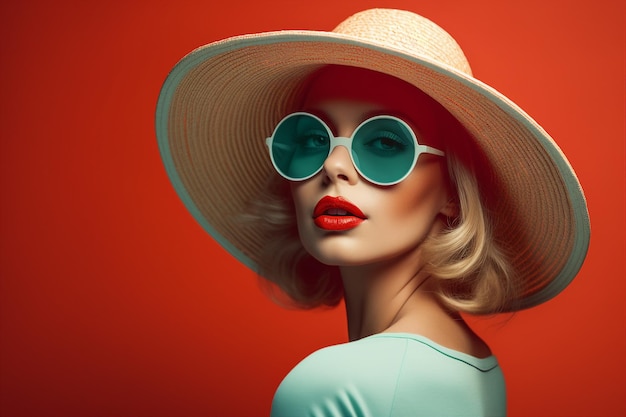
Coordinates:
(338, 166)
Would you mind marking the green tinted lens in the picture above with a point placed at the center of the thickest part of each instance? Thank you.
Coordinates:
(300, 146)
(384, 150)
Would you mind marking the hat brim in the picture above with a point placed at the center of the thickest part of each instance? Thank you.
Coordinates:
(243, 85)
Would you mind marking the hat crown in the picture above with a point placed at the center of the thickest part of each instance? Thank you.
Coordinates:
(408, 32)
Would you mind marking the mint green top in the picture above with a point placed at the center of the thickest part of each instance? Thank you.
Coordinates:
(394, 375)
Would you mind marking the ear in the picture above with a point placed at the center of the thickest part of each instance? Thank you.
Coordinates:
(451, 209)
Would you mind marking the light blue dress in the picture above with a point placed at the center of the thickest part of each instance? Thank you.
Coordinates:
(394, 375)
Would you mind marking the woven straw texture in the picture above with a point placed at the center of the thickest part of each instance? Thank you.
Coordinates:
(221, 101)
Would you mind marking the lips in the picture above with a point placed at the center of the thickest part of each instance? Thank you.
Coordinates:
(337, 214)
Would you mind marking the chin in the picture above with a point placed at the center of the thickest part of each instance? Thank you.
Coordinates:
(331, 255)
(345, 257)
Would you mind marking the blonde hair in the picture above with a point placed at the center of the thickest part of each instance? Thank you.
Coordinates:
(472, 271)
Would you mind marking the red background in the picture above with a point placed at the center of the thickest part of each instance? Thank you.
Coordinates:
(113, 301)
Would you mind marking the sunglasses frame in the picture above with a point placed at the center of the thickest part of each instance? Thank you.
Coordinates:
(346, 142)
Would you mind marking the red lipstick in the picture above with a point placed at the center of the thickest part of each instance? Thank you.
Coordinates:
(337, 214)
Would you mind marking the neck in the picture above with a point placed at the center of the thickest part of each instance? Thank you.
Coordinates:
(386, 296)
(398, 296)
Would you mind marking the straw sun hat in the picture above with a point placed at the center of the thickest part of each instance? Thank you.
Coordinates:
(222, 100)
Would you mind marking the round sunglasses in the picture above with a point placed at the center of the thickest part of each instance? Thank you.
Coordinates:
(384, 149)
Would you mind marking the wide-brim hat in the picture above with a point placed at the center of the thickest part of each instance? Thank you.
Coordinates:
(222, 100)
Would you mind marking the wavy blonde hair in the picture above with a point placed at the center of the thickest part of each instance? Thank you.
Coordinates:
(471, 268)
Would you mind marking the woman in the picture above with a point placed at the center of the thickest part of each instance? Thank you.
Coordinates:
(399, 182)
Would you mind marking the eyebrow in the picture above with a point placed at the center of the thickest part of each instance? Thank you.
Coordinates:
(324, 116)
(419, 133)
(378, 112)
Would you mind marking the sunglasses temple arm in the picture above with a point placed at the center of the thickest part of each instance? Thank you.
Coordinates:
(429, 149)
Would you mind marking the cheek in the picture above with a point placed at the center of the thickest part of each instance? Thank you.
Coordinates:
(419, 196)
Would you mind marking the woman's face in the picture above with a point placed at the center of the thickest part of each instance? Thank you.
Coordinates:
(383, 222)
